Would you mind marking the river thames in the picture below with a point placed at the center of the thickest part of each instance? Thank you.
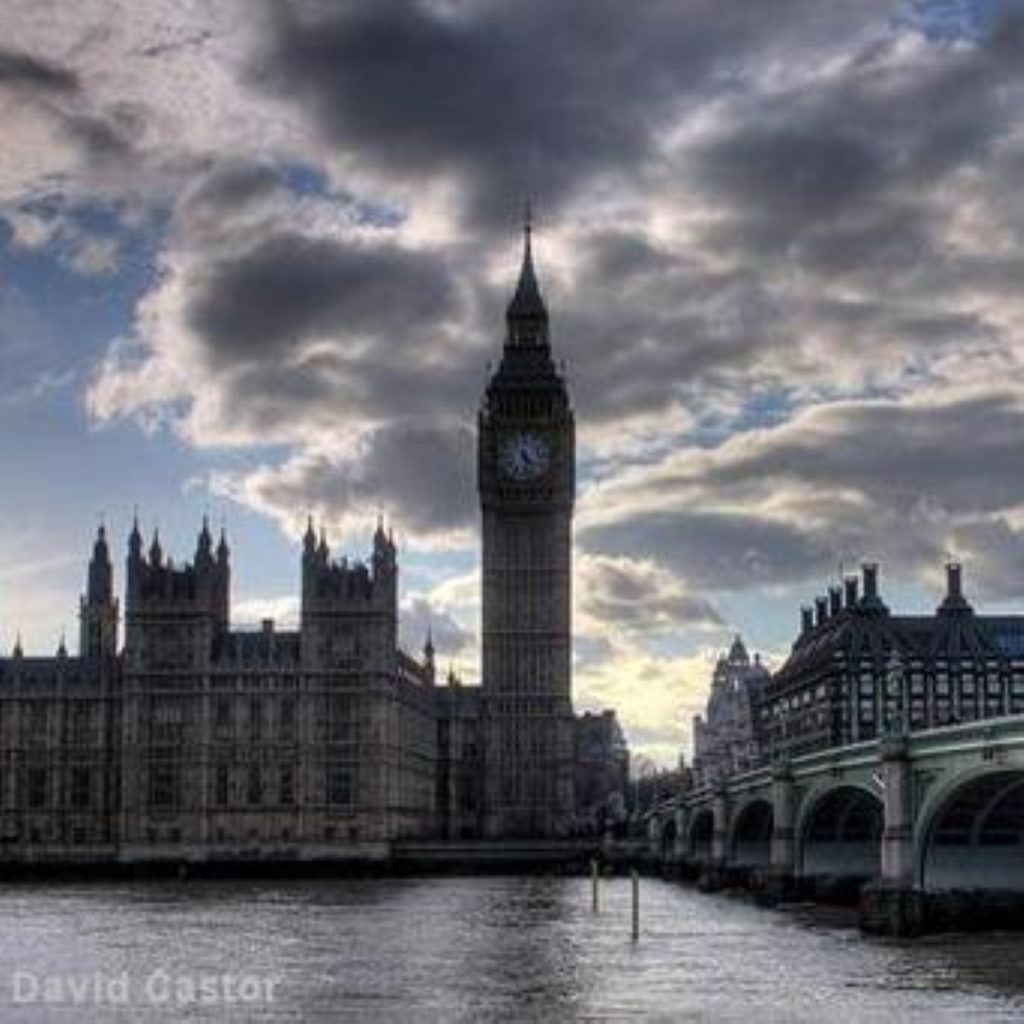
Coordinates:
(471, 949)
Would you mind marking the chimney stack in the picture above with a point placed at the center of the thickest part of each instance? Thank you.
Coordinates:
(870, 572)
(851, 591)
(821, 610)
(806, 620)
(954, 600)
(954, 583)
(835, 601)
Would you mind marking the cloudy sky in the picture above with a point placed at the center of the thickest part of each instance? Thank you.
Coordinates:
(254, 256)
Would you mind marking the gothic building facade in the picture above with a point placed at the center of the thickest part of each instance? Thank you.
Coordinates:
(725, 738)
(196, 741)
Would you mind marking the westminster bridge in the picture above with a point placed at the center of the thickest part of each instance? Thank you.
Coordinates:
(927, 826)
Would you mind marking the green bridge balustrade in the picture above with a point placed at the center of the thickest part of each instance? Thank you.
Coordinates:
(927, 828)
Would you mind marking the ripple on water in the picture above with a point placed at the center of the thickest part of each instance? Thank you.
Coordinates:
(493, 949)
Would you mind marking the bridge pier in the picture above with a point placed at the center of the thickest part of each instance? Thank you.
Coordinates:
(780, 880)
(891, 905)
(713, 874)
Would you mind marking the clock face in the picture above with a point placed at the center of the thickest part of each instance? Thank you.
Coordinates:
(524, 456)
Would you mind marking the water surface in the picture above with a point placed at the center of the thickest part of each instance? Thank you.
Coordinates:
(476, 949)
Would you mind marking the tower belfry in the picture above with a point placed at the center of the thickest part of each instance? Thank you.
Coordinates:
(526, 483)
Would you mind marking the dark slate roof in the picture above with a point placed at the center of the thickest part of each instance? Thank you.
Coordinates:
(859, 633)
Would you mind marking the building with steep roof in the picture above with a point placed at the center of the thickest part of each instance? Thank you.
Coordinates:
(857, 669)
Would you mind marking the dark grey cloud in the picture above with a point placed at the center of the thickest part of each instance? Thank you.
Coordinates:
(633, 596)
(228, 185)
(107, 139)
(19, 69)
(793, 173)
(714, 550)
(806, 196)
(961, 457)
(418, 474)
(291, 287)
(102, 135)
(532, 98)
(859, 151)
(907, 484)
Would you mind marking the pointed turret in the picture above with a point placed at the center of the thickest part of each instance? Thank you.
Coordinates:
(133, 576)
(428, 656)
(223, 551)
(156, 553)
(527, 315)
(18, 652)
(380, 538)
(309, 539)
(97, 614)
(222, 584)
(100, 585)
(135, 539)
(738, 652)
(204, 546)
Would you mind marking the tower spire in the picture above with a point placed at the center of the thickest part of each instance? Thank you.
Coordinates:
(527, 316)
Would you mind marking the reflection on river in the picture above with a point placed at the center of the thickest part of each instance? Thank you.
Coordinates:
(472, 949)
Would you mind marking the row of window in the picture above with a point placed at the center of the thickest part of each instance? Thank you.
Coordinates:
(33, 787)
(169, 719)
(165, 786)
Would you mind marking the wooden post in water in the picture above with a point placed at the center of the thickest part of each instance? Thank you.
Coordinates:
(636, 905)
(595, 878)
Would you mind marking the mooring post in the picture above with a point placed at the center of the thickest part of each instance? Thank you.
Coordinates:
(636, 904)
(595, 878)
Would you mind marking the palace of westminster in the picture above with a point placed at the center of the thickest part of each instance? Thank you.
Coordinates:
(197, 742)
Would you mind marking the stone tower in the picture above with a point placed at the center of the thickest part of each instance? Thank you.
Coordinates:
(175, 614)
(98, 609)
(526, 482)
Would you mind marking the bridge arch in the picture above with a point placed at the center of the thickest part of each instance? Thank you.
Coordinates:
(700, 836)
(839, 832)
(970, 832)
(750, 839)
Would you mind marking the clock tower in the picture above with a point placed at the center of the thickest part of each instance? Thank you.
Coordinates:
(526, 481)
